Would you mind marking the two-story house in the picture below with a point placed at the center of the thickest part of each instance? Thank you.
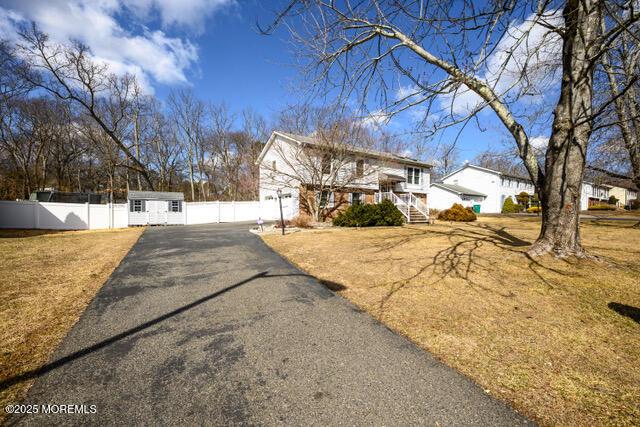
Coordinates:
(486, 189)
(483, 189)
(313, 176)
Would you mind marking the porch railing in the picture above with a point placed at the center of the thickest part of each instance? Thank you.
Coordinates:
(419, 205)
(399, 203)
(404, 203)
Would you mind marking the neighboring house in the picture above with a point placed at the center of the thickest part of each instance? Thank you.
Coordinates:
(316, 176)
(594, 194)
(486, 189)
(443, 196)
(155, 208)
(478, 187)
(624, 190)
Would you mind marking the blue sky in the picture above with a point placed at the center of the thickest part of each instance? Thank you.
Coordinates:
(210, 46)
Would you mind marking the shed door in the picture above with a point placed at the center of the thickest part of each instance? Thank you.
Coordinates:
(157, 210)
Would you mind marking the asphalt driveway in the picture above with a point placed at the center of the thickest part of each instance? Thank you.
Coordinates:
(206, 325)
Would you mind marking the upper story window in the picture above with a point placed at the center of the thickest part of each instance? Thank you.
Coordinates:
(273, 165)
(325, 164)
(359, 168)
(413, 175)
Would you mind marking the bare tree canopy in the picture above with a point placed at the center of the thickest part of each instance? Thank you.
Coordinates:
(490, 55)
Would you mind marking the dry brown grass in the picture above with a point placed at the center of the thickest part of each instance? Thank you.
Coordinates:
(542, 334)
(48, 278)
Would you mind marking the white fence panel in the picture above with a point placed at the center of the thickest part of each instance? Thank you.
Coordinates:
(120, 216)
(201, 212)
(99, 216)
(18, 214)
(78, 216)
(61, 216)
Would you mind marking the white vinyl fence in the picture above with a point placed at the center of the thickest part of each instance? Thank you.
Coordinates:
(77, 216)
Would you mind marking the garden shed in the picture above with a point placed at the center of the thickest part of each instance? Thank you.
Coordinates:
(155, 208)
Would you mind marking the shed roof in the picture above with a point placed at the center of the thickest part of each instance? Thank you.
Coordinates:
(458, 189)
(155, 195)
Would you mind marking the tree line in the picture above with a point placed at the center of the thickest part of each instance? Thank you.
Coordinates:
(67, 122)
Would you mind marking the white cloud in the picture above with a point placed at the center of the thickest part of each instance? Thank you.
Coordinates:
(152, 55)
(526, 46)
(376, 119)
(191, 14)
(539, 143)
(405, 92)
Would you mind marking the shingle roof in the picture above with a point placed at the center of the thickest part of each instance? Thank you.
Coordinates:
(458, 189)
(155, 195)
(375, 153)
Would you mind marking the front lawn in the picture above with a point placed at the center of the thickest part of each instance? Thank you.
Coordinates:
(48, 278)
(558, 339)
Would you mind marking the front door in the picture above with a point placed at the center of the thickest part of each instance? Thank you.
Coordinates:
(157, 210)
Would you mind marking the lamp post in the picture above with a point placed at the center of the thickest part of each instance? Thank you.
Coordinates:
(279, 191)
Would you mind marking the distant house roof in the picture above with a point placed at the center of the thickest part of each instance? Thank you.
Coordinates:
(155, 195)
(310, 140)
(493, 171)
(458, 189)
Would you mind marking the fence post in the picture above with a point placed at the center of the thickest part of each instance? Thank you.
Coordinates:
(88, 215)
(184, 212)
(218, 211)
(233, 208)
(36, 214)
(110, 213)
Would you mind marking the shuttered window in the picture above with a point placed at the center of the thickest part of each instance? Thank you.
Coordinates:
(136, 206)
(175, 206)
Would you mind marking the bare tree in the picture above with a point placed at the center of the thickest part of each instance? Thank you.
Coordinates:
(69, 73)
(443, 51)
(621, 69)
(188, 115)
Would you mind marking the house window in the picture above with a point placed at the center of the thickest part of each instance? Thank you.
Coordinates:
(325, 164)
(326, 199)
(136, 206)
(273, 165)
(286, 196)
(175, 206)
(357, 198)
(413, 175)
(359, 168)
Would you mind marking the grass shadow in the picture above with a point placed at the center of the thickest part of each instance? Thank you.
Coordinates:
(629, 311)
(13, 233)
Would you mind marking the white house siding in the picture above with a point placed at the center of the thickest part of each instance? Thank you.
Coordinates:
(271, 181)
(442, 199)
(482, 181)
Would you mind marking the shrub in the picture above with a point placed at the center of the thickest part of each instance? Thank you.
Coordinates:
(613, 200)
(362, 215)
(534, 209)
(510, 207)
(523, 198)
(301, 221)
(602, 208)
(634, 205)
(457, 213)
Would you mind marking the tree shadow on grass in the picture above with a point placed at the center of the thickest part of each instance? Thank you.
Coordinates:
(629, 311)
(463, 260)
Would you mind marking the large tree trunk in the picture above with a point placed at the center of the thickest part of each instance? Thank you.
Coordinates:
(572, 124)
